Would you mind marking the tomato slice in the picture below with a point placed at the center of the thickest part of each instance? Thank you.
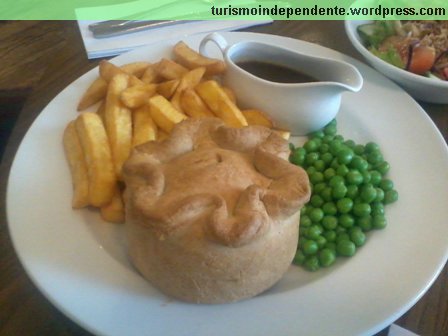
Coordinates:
(422, 59)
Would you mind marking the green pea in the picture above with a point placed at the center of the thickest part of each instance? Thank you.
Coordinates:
(354, 177)
(327, 158)
(311, 263)
(368, 193)
(318, 187)
(327, 138)
(324, 148)
(311, 146)
(303, 231)
(314, 231)
(327, 194)
(311, 157)
(346, 248)
(342, 170)
(359, 163)
(330, 130)
(316, 215)
(321, 241)
(335, 164)
(375, 177)
(305, 209)
(326, 257)
(298, 157)
(336, 180)
(339, 191)
(299, 258)
(310, 247)
(335, 146)
(346, 221)
(329, 208)
(319, 165)
(318, 134)
(342, 236)
(339, 137)
(366, 177)
(364, 223)
(316, 201)
(305, 221)
(345, 156)
(379, 222)
(361, 209)
(329, 222)
(316, 177)
(344, 205)
(386, 185)
(352, 191)
(379, 195)
(359, 149)
(358, 237)
(377, 209)
(375, 157)
(330, 236)
(383, 167)
(311, 170)
(331, 246)
(390, 196)
(329, 173)
(350, 144)
(371, 147)
(340, 230)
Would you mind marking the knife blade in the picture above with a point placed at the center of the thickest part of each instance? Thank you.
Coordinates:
(119, 27)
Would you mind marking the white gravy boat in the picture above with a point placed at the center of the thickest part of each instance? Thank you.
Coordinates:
(300, 108)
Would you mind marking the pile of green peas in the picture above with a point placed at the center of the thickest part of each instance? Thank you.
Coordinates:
(349, 193)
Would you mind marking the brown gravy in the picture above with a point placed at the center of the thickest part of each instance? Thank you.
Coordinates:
(275, 72)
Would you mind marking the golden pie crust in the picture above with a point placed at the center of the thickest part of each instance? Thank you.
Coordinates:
(212, 212)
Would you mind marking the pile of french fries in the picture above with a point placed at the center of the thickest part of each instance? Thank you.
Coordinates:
(136, 103)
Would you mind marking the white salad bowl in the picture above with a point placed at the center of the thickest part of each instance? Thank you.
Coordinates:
(421, 88)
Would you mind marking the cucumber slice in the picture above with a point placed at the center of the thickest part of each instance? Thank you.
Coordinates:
(367, 31)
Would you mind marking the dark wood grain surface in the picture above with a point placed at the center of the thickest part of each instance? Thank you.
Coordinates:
(38, 60)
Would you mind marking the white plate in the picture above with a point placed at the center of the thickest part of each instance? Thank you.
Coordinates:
(80, 264)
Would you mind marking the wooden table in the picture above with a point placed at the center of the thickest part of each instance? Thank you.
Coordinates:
(39, 59)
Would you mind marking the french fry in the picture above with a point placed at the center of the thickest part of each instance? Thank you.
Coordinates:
(193, 105)
(118, 122)
(256, 117)
(78, 166)
(114, 211)
(150, 75)
(189, 80)
(136, 68)
(164, 114)
(144, 127)
(220, 104)
(168, 88)
(101, 109)
(97, 154)
(136, 96)
(191, 59)
(230, 93)
(94, 93)
(109, 70)
(169, 69)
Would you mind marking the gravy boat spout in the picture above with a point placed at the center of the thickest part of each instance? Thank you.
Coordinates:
(299, 107)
